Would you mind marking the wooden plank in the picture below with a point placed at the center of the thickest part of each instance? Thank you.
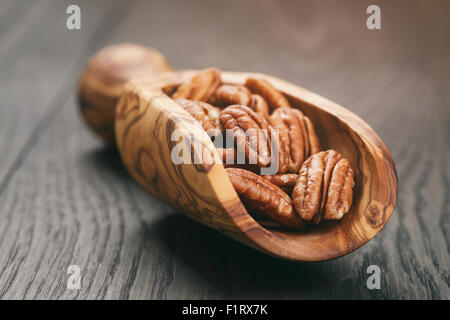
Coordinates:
(39, 61)
(71, 202)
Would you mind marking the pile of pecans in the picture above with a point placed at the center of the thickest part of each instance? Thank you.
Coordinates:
(308, 186)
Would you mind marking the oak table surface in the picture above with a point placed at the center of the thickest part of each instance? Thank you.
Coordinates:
(67, 200)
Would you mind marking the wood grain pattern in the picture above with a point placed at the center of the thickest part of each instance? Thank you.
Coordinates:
(67, 200)
(146, 120)
(103, 79)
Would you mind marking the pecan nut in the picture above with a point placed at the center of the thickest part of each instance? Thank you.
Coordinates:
(263, 197)
(296, 131)
(229, 94)
(323, 190)
(204, 113)
(259, 105)
(274, 98)
(285, 181)
(250, 132)
(201, 87)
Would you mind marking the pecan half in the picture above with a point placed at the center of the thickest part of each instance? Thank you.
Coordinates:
(297, 134)
(323, 190)
(229, 94)
(250, 132)
(274, 98)
(263, 197)
(285, 181)
(259, 105)
(201, 87)
(204, 113)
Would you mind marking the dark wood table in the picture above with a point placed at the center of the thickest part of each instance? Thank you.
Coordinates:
(66, 200)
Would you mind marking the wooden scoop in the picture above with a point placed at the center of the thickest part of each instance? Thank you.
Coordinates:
(146, 120)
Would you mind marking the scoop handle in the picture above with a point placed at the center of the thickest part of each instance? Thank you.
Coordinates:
(103, 80)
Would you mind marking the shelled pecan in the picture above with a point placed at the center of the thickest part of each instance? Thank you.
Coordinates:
(204, 113)
(297, 134)
(274, 98)
(323, 190)
(201, 87)
(229, 94)
(250, 132)
(263, 197)
(285, 181)
(259, 105)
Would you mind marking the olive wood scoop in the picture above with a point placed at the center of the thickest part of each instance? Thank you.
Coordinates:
(121, 95)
